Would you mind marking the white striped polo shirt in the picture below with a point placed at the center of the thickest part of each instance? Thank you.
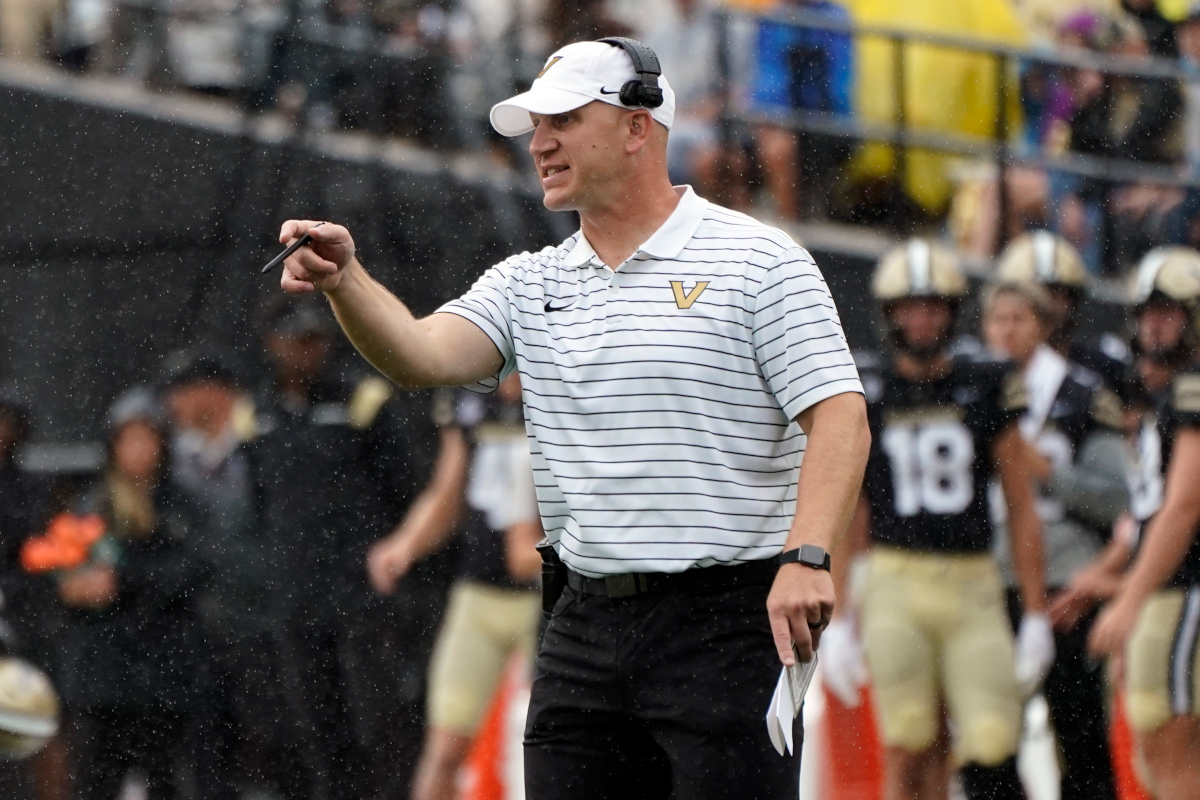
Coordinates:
(659, 397)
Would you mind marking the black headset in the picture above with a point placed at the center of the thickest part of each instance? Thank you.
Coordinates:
(644, 91)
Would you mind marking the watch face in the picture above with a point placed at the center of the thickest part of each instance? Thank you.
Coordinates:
(813, 556)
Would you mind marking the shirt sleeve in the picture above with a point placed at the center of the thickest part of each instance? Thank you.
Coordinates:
(798, 339)
(488, 305)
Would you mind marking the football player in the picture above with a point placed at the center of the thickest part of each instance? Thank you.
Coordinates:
(1074, 423)
(1052, 261)
(933, 612)
(1154, 618)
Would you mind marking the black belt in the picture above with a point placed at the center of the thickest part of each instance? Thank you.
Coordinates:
(630, 584)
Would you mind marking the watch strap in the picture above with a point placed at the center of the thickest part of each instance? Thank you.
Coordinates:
(807, 554)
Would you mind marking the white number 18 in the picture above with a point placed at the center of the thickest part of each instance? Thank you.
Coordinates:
(931, 467)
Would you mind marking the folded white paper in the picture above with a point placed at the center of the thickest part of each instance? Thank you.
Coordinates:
(786, 702)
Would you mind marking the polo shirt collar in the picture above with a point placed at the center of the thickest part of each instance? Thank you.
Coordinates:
(667, 242)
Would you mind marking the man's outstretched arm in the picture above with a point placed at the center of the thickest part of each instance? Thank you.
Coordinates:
(439, 350)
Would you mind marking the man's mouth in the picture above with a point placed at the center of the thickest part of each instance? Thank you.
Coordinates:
(555, 170)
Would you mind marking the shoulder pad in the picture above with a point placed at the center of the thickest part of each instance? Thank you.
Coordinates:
(1185, 393)
(1013, 395)
(368, 398)
(244, 419)
(1115, 348)
(1107, 409)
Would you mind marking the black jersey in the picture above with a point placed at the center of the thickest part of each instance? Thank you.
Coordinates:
(1174, 409)
(1083, 405)
(931, 453)
(1109, 360)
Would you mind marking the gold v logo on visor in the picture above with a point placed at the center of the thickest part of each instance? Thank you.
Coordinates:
(549, 64)
(685, 300)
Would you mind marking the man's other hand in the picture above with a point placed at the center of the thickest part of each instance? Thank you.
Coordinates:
(387, 562)
(800, 606)
(320, 265)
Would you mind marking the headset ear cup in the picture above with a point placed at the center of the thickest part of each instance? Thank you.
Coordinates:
(629, 93)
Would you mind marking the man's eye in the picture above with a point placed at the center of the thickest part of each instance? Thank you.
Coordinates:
(562, 119)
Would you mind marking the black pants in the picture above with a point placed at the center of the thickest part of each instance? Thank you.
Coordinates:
(1074, 690)
(236, 700)
(106, 744)
(655, 697)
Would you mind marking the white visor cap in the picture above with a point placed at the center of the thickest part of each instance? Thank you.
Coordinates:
(573, 77)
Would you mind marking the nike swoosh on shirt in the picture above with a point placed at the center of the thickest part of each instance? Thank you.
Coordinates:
(549, 308)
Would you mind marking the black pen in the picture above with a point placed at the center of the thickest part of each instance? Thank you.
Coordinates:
(293, 247)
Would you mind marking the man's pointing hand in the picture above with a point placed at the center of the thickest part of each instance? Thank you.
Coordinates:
(321, 265)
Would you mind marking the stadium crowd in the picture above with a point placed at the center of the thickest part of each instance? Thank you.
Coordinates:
(431, 71)
(229, 625)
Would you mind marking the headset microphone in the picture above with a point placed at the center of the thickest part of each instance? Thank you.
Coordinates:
(644, 91)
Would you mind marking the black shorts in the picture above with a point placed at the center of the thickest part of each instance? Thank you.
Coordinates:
(656, 697)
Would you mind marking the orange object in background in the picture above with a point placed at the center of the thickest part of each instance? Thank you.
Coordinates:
(66, 543)
(853, 753)
(1120, 741)
(484, 768)
(493, 769)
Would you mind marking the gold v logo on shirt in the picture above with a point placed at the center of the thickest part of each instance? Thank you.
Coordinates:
(685, 300)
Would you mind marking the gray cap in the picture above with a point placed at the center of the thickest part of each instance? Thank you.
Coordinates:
(137, 404)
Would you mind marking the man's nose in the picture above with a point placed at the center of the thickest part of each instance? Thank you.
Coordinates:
(542, 141)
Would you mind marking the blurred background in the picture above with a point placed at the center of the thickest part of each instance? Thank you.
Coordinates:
(151, 147)
(149, 150)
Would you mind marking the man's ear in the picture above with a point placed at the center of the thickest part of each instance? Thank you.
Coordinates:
(639, 125)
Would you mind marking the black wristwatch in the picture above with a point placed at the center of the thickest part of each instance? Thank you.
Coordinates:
(807, 554)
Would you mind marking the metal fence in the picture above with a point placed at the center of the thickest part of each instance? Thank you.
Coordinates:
(1000, 148)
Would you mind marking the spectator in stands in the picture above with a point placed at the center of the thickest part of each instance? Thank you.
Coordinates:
(1187, 36)
(26, 29)
(1160, 32)
(801, 69)
(686, 45)
(569, 21)
(130, 643)
(1113, 116)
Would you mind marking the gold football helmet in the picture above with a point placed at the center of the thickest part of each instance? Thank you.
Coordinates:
(1042, 257)
(29, 709)
(919, 268)
(1169, 274)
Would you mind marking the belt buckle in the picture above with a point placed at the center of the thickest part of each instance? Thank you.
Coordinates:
(621, 585)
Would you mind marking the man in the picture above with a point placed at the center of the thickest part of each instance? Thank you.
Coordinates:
(1075, 425)
(1051, 261)
(1153, 620)
(934, 621)
(332, 473)
(664, 351)
(210, 420)
(493, 611)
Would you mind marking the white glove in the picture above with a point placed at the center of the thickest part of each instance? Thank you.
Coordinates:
(1035, 652)
(843, 668)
